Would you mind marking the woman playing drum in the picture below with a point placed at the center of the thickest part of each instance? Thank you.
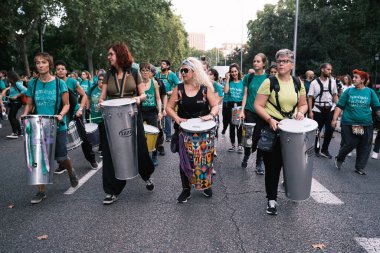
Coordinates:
(289, 102)
(195, 98)
(123, 81)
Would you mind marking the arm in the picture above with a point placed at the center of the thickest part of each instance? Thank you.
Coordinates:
(243, 103)
(103, 96)
(66, 106)
(165, 98)
(335, 98)
(259, 106)
(226, 88)
(142, 97)
(302, 108)
(81, 92)
(171, 105)
(158, 99)
(28, 106)
(310, 102)
(213, 102)
(335, 116)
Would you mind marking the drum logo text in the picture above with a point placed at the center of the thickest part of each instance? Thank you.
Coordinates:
(126, 132)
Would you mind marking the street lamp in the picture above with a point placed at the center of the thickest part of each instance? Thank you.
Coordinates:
(376, 60)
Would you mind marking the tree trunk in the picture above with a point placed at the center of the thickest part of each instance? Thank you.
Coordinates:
(25, 55)
(90, 63)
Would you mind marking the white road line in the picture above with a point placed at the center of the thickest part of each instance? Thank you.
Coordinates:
(322, 195)
(84, 179)
(371, 245)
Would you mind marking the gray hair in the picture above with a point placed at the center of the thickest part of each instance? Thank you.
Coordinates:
(285, 52)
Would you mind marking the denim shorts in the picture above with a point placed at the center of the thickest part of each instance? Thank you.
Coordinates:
(60, 146)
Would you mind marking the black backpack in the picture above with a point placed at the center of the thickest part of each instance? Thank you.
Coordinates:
(274, 85)
(321, 91)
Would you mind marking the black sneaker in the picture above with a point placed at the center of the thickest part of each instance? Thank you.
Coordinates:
(59, 170)
(232, 149)
(272, 207)
(338, 164)
(244, 163)
(109, 199)
(207, 192)
(317, 154)
(260, 169)
(149, 185)
(224, 131)
(184, 196)
(73, 178)
(360, 172)
(326, 154)
(161, 150)
(94, 165)
(38, 198)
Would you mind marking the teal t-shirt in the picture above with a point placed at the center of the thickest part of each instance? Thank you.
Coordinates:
(356, 105)
(236, 91)
(96, 114)
(253, 87)
(86, 85)
(170, 82)
(150, 96)
(14, 92)
(218, 88)
(45, 98)
(2, 87)
(72, 85)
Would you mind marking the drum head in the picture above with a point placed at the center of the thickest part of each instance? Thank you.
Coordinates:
(118, 102)
(250, 124)
(90, 127)
(297, 126)
(151, 129)
(197, 125)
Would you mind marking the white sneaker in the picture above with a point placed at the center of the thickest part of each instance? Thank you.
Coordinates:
(375, 155)
(12, 136)
(349, 154)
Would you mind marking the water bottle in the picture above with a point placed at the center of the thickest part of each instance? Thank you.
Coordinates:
(5, 116)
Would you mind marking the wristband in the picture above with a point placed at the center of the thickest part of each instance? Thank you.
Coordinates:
(60, 115)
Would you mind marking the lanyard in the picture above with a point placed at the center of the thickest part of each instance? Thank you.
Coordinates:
(120, 91)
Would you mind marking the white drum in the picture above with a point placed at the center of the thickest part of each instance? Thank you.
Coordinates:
(247, 133)
(297, 146)
(199, 137)
(92, 133)
(151, 134)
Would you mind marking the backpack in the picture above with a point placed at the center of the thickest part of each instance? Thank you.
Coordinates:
(324, 107)
(274, 85)
(250, 77)
(161, 86)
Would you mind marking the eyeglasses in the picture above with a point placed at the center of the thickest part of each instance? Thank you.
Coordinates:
(184, 70)
(283, 61)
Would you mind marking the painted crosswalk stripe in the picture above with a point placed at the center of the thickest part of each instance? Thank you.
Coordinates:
(322, 195)
(84, 179)
(371, 245)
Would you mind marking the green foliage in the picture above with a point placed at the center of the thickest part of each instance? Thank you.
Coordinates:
(343, 32)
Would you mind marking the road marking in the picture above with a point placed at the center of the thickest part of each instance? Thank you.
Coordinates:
(84, 179)
(371, 245)
(322, 195)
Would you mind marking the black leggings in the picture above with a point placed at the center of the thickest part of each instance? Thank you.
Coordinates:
(230, 105)
(13, 110)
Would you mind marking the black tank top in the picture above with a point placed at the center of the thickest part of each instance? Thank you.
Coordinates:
(192, 107)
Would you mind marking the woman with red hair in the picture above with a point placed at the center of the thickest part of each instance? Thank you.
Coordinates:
(123, 81)
(356, 123)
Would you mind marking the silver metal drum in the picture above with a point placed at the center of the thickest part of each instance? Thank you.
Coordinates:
(73, 139)
(297, 146)
(120, 119)
(92, 132)
(40, 132)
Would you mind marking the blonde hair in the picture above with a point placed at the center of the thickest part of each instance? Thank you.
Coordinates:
(200, 77)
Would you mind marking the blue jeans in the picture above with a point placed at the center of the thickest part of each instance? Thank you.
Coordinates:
(168, 126)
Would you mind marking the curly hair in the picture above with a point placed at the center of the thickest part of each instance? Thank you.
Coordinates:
(124, 57)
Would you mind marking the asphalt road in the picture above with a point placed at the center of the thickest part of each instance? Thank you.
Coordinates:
(233, 220)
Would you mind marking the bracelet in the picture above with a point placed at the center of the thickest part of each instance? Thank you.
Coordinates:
(60, 114)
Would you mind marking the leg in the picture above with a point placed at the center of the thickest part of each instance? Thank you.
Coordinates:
(226, 117)
(14, 107)
(111, 185)
(348, 143)
(318, 118)
(328, 131)
(168, 126)
(376, 148)
(363, 148)
(273, 169)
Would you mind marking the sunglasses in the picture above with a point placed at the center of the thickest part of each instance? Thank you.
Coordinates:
(184, 70)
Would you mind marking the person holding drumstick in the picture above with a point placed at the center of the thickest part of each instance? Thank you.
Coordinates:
(273, 105)
(123, 81)
(195, 98)
(41, 94)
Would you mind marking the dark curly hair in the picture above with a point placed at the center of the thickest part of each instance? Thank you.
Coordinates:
(123, 55)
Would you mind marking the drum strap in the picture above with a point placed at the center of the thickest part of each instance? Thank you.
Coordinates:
(120, 86)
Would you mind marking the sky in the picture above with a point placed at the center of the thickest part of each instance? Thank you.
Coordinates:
(220, 20)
